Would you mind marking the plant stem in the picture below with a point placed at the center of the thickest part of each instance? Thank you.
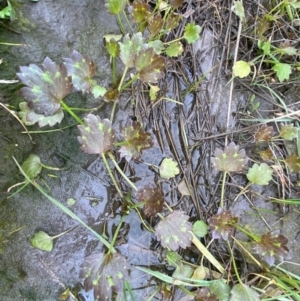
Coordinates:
(254, 237)
(111, 175)
(223, 189)
(120, 171)
(68, 109)
(121, 24)
(116, 234)
(234, 265)
(114, 71)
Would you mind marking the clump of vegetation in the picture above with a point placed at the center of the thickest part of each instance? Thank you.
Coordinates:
(145, 53)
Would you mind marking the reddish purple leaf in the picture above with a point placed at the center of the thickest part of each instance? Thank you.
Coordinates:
(135, 141)
(230, 159)
(221, 224)
(46, 87)
(81, 69)
(96, 136)
(153, 198)
(174, 231)
(105, 273)
(272, 245)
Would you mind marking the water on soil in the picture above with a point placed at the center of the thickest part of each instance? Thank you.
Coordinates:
(55, 29)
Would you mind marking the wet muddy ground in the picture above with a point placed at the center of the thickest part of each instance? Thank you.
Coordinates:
(55, 29)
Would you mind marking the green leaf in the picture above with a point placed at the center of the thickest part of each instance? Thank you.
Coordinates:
(157, 45)
(153, 198)
(81, 68)
(42, 241)
(243, 292)
(183, 271)
(135, 141)
(112, 48)
(200, 228)
(260, 174)
(174, 49)
(29, 117)
(32, 166)
(173, 258)
(105, 273)
(288, 132)
(71, 202)
(283, 71)
(266, 47)
(241, 69)
(45, 88)
(230, 159)
(115, 7)
(96, 136)
(199, 273)
(174, 231)
(168, 168)
(153, 91)
(220, 289)
(6, 12)
(129, 48)
(192, 32)
(98, 91)
(238, 9)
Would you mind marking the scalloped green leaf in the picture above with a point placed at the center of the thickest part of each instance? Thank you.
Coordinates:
(32, 166)
(130, 47)
(81, 68)
(283, 71)
(168, 168)
(241, 69)
(42, 241)
(29, 117)
(115, 7)
(96, 136)
(105, 273)
(260, 174)
(98, 91)
(174, 231)
(192, 32)
(288, 132)
(174, 49)
(45, 88)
